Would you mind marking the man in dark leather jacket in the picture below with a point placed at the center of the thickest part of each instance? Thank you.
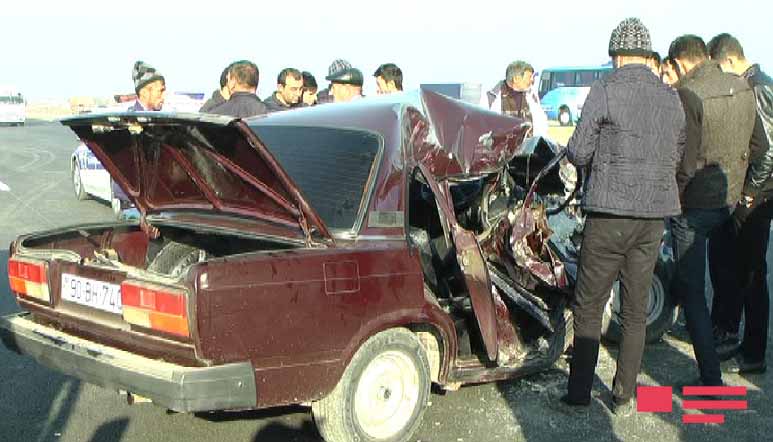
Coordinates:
(720, 114)
(737, 262)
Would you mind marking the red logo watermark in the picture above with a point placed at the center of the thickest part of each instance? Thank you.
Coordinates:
(658, 400)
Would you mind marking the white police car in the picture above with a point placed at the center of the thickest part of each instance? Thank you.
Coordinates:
(90, 179)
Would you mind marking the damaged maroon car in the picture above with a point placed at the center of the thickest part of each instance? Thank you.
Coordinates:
(342, 256)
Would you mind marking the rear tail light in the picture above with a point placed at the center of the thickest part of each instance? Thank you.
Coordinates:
(155, 307)
(29, 278)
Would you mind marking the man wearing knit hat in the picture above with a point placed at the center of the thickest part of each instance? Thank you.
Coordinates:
(629, 142)
(150, 87)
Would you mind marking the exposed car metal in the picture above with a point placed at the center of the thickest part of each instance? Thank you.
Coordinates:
(342, 253)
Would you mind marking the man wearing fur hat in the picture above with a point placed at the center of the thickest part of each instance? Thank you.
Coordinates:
(629, 142)
(150, 87)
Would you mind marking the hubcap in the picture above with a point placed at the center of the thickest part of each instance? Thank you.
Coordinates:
(387, 395)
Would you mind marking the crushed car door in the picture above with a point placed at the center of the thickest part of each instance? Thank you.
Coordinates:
(471, 262)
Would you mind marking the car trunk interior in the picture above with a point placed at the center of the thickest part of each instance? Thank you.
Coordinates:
(170, 254)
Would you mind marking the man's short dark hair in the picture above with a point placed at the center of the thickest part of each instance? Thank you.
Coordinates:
(390, 72)
(292, 72)
(224, 76)
(245, 73)
(688, 47)
(725, 45)
(656, 58)
(309, 82)
(517, 69)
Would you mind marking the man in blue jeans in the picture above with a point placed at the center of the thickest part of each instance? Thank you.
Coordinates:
(720, 113)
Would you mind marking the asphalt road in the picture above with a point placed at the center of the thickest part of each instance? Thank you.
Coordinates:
(37, 404)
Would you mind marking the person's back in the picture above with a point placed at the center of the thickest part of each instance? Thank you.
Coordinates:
(722, 109)
(637, 125)
(241, 105)
(242, 82)
(629, 140)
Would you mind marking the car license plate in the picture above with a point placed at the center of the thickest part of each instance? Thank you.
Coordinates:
(92, 293)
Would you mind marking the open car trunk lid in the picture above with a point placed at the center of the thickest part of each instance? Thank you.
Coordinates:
(168, 162)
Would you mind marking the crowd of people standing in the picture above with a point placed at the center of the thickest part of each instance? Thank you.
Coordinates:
(683, 142)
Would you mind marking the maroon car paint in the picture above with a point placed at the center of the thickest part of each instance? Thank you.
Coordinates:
(299, 315)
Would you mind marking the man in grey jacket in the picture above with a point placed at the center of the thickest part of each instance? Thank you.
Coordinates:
(629, 142)
(720, 115)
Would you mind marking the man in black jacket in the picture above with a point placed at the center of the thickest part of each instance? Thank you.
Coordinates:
(629, 141)
(720, 117)
(289, 86)
(737, 257)
(242, 83)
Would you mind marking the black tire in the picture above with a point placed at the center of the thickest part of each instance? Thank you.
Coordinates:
(77, 183)
(661, 314)
(564, 116)
(174, 258)
(337, 415)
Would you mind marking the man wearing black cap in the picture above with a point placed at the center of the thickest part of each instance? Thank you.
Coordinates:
(150, 87)
(720, 118)
(629, 142)
(336, 67)
(346, 85)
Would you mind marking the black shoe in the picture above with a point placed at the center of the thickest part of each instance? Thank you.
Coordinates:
(566, 406)
(745, 367)
(698, 383)
(726, 344)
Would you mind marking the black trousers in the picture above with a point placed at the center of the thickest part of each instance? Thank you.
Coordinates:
(612, 247)
(690, 232)
(739, 273)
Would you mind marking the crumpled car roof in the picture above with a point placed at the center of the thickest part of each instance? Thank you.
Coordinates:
(451, 137)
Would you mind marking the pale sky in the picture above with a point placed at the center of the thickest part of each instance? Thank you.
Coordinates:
(58, 49)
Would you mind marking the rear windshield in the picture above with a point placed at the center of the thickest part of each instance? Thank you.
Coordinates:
(330, 165)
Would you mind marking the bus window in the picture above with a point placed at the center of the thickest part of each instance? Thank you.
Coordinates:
(584, 78)
(562, 79)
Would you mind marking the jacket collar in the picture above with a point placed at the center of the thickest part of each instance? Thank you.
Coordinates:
(703, 69)
(752, 71)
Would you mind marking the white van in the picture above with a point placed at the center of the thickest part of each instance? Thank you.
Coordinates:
(13, 108)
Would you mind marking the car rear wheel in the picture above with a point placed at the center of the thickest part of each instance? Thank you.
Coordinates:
(77, 183)
(564, 116)
(661, 309)
(382, 394)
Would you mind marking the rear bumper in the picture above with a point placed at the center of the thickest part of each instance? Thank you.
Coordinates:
(178, 388)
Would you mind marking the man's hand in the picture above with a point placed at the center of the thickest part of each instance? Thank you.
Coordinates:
(742, 211)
